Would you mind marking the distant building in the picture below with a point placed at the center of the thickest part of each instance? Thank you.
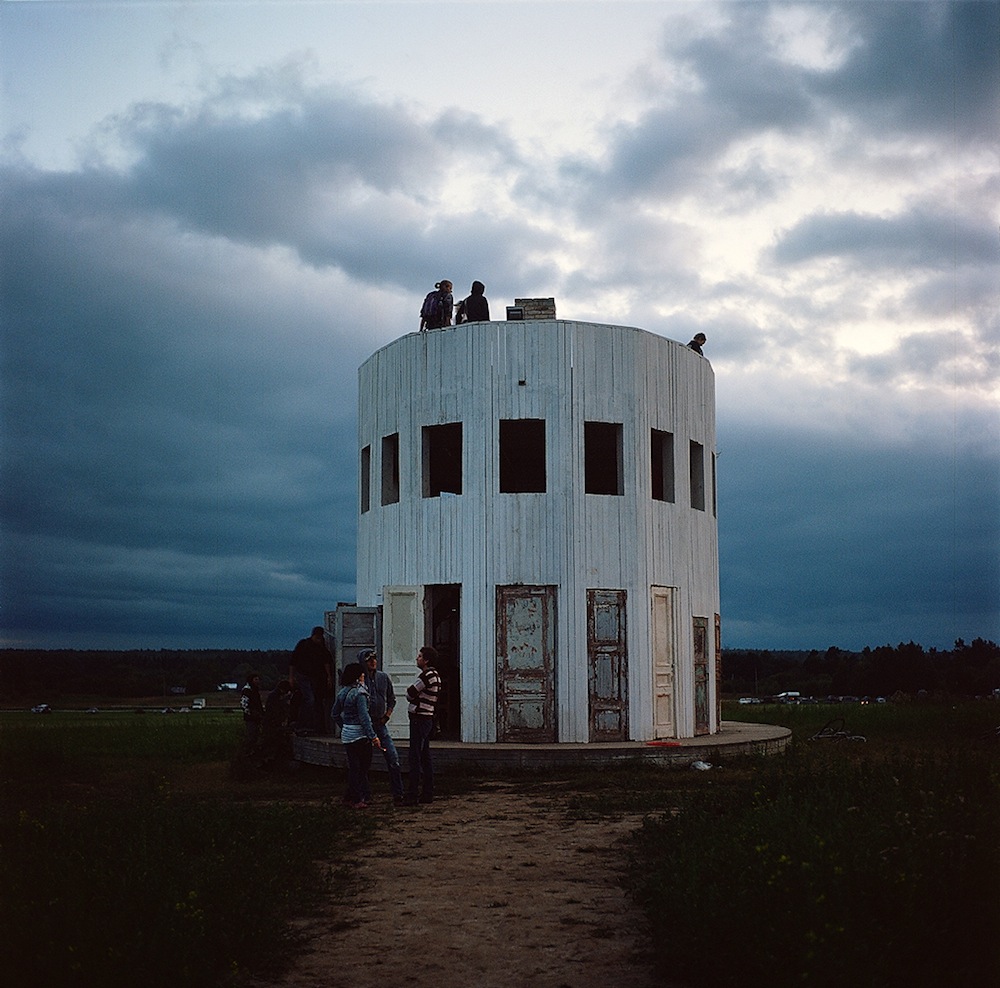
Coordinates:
(538, 501)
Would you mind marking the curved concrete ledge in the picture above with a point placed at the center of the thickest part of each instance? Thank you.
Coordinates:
(736, 739)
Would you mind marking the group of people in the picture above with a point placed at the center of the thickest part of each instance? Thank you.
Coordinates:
(361, 709)
(268, 726)
(439, 306)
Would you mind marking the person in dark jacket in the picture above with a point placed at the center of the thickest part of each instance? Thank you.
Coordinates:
(311, 673)
(697, 343)
(476, 308)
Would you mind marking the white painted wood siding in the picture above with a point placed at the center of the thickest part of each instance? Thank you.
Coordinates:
(573, 372)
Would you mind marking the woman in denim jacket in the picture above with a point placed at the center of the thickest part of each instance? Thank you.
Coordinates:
(350, 713)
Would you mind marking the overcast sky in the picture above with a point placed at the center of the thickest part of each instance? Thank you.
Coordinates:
(214, 212)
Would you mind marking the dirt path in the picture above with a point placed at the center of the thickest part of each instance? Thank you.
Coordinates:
(495, 889)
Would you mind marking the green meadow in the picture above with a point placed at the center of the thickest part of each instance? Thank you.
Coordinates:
(843, 862)
(131, 853)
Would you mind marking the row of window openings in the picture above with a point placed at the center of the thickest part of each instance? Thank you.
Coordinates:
(522, 462)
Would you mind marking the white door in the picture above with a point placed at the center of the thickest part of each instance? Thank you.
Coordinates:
(402, 638)
(664, 660)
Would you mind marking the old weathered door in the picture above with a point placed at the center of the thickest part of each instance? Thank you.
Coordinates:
(402, 637)
(664, 652)
(526, 633)
(701, 725)
(353, 629)
(608, 659)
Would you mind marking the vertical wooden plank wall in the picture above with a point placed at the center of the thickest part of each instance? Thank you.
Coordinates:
(572, 373)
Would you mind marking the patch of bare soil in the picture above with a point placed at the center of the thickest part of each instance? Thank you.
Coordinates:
(497, 888)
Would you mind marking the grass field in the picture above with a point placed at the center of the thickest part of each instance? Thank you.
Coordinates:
(131, 855)
(863, 863)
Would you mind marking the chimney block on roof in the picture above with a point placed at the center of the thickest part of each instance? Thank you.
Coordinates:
(537, 308)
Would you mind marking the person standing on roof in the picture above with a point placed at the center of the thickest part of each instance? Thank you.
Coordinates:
(475, 308)
(697, 343)
(438, 306)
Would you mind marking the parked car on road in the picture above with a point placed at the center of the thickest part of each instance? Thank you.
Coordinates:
(41, 708)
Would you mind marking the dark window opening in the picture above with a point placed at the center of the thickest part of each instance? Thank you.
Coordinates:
(390, 469)
(522, 456)
(697, 458)
(602, 457)
(661, 451)
(366, 478)
(442, 450)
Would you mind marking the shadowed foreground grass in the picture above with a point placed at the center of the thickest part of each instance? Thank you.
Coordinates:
(870, 863)
(128, 856)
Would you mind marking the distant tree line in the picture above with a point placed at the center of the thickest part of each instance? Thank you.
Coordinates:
(51, 673)
(968, 670)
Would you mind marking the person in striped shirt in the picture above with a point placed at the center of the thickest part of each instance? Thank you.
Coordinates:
(422, 697)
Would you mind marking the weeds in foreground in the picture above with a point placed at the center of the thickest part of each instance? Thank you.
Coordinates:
(830, 868)
(112, 875)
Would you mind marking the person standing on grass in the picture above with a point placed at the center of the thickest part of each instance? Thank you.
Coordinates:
(381, 703)
(310, 668)
(253, 709)
(422, 696)
(350, 713)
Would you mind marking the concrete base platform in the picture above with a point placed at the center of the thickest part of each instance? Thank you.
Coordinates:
(734, 740)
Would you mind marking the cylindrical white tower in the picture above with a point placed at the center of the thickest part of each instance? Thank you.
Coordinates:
(537, 501)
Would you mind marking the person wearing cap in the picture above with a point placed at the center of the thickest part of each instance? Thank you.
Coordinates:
(382, 702)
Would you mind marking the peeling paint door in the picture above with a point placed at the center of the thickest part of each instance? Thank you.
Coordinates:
(701, 725)
(353, 629)
(664, 651)
(608, 659)
(525, 663)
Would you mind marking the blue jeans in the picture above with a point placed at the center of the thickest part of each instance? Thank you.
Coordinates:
(391, 760)
(420, 757)
(359, 760)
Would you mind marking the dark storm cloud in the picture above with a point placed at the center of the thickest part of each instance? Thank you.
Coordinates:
(861, 543)
(943, 356)
(342, 181)
(915, 70)
(183, 323)
(179, 399)
(917, 239)
(921, 67)
(177, 440)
